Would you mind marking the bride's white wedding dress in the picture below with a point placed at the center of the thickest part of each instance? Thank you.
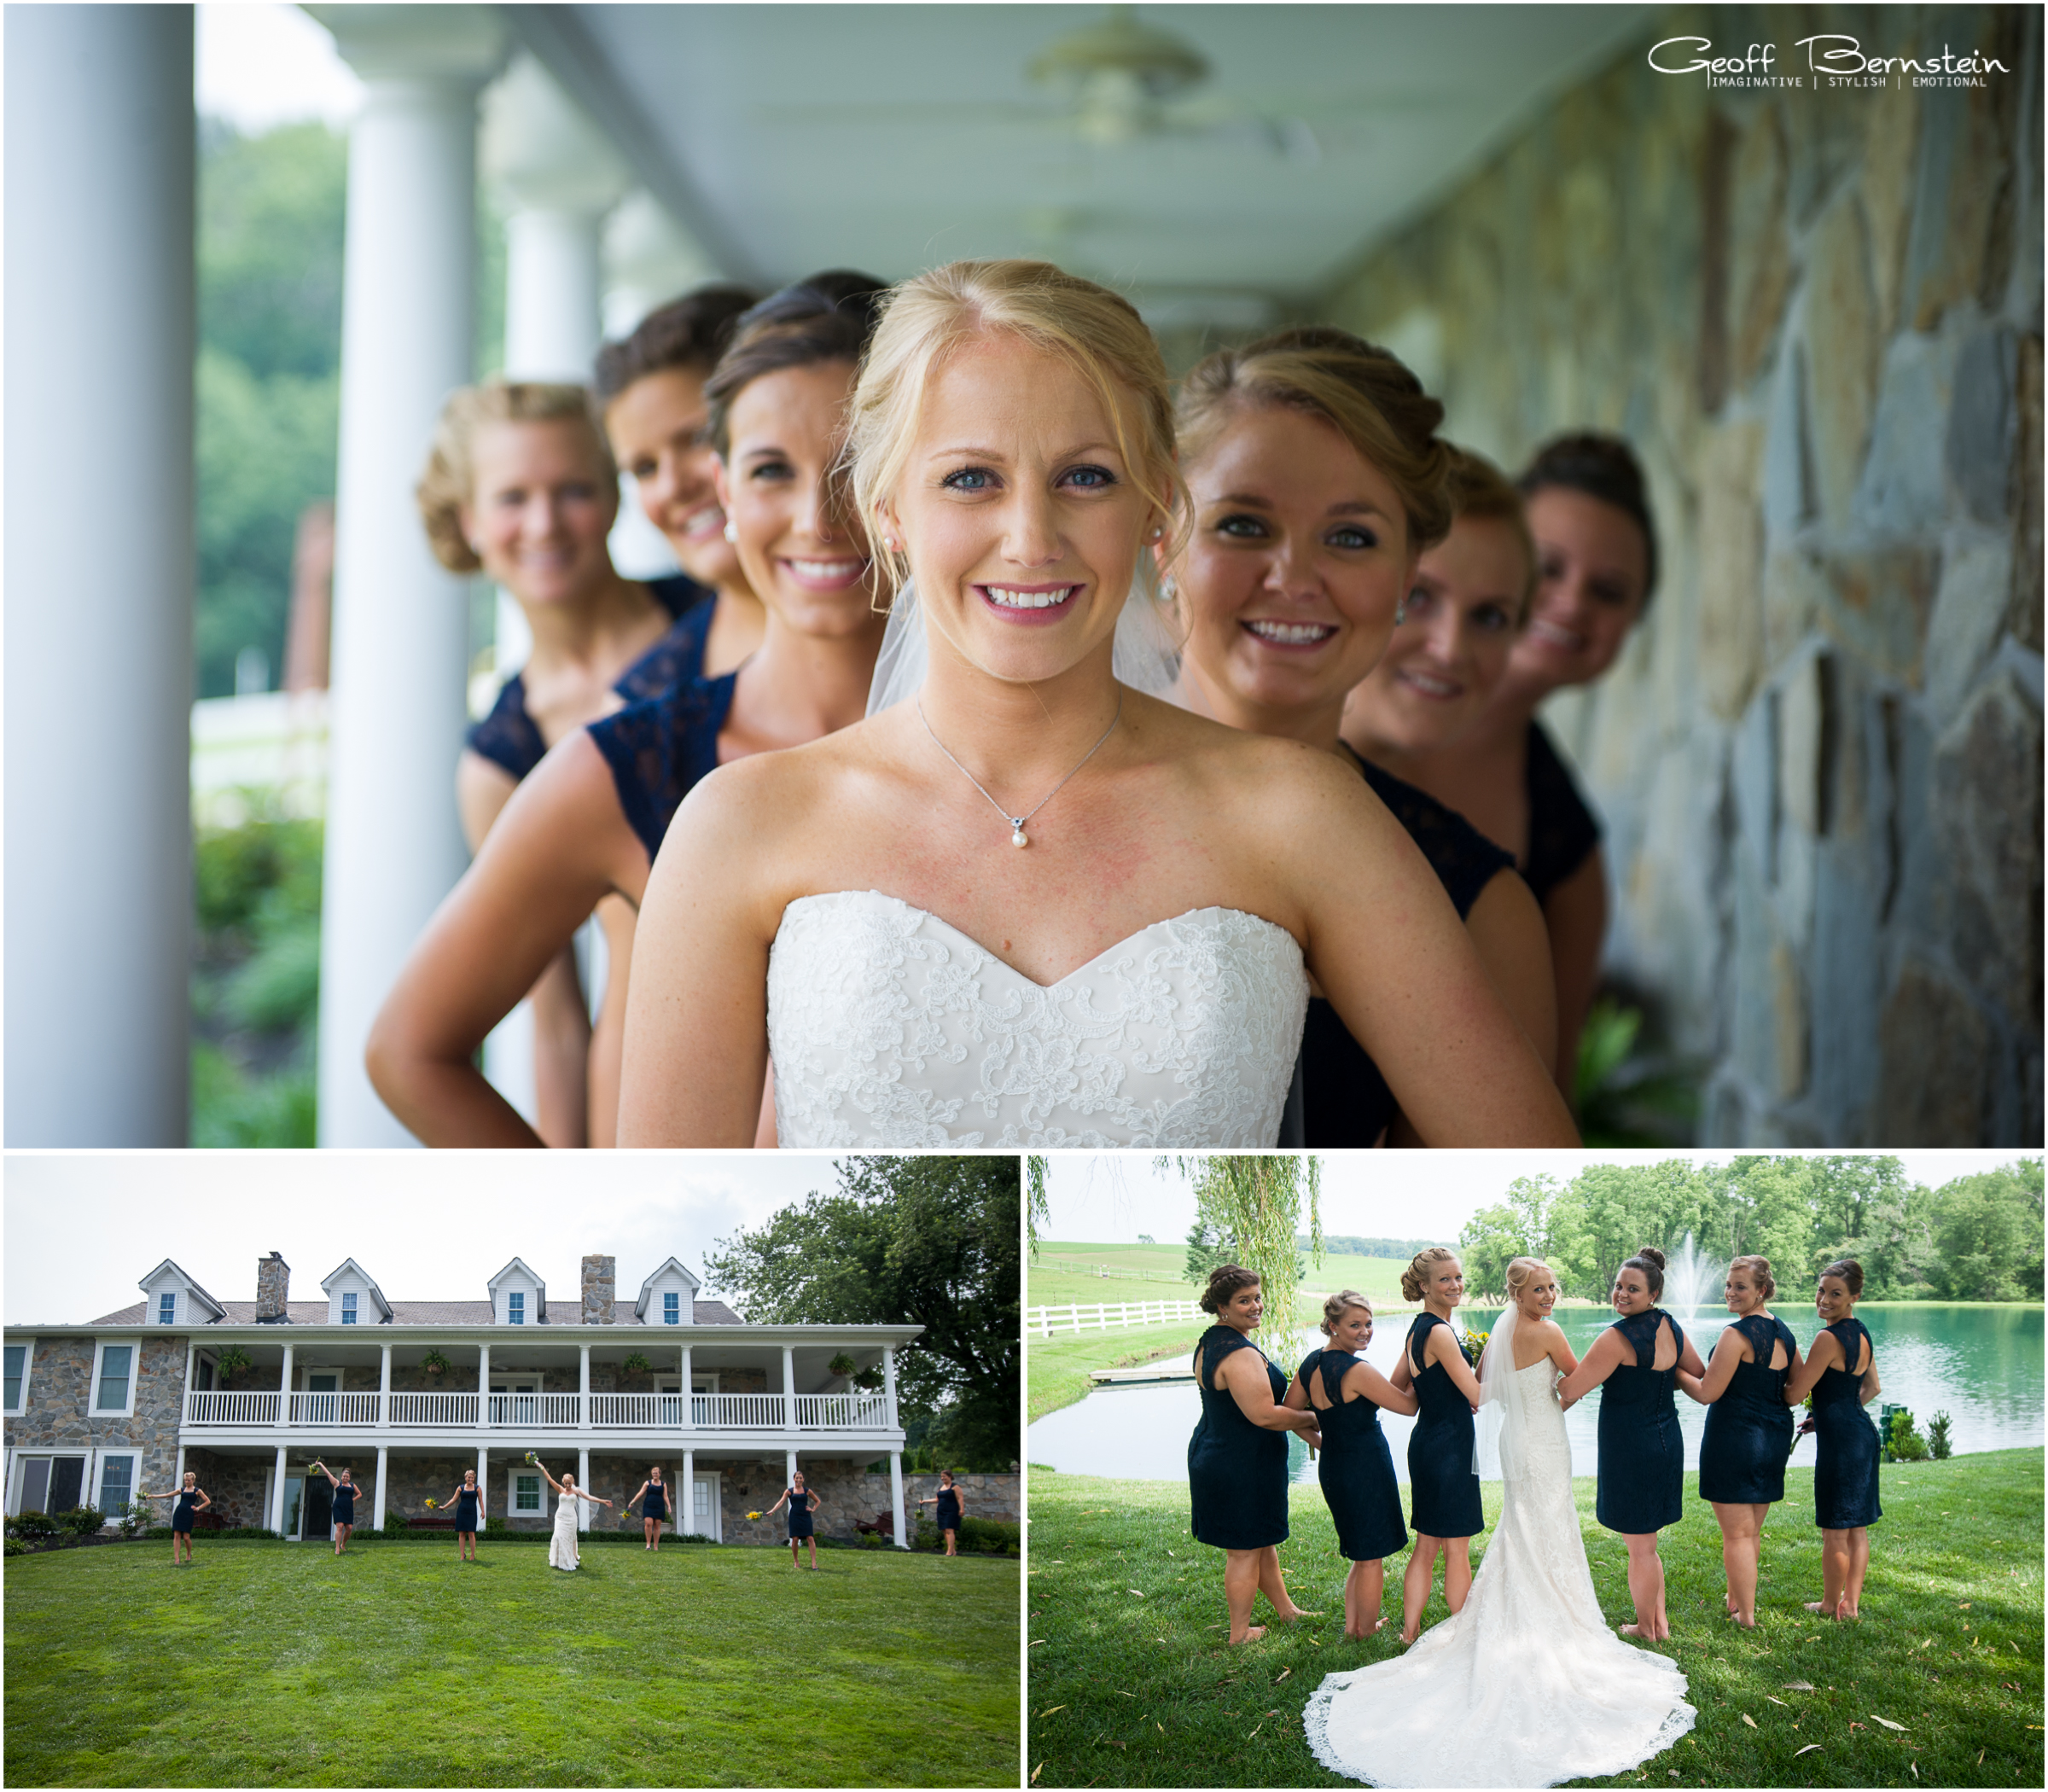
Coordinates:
(1526, 1686)
(889, 1026)
(563, 1550)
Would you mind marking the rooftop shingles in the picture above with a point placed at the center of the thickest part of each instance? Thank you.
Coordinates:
(416, 1312)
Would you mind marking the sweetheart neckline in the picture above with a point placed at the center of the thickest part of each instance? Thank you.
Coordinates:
(997, 959)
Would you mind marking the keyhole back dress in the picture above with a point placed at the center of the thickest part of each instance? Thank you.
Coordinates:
(1356, 1468)
(1748, 1433)
(1642, 1475)
(1845, 1471)
(1443, 1485)
(1237, 1470)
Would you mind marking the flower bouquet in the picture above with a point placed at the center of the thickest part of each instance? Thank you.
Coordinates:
(1476, 1344)
(754, 1514)
(433, 1505)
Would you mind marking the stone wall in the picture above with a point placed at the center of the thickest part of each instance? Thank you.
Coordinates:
(60, 1391)
(234, 1484)
(1818, 317)
(997, 1497)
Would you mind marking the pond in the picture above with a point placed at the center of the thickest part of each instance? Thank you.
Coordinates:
(1983, 1365)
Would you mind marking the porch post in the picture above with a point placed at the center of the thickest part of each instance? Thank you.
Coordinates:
(483, 1387)
(384, 1390)
(788, 1467)
(790, 1388)
(888, 1383)
(582, 1401)
(483, 1483)
(400, 623)
(583, 1483)
(284, 1391)
(686, 1510)
(276, 1493)
(181, 1466)
(903, 1541)
(99, 246)
(191, 1358)
(377, 1505)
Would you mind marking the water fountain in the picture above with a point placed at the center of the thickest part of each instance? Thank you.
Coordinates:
(1691, 1280)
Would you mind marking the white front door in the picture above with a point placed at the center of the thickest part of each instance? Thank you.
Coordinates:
(705, 1519)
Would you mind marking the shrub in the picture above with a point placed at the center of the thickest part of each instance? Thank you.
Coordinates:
(927, 1535)
(870, 1539)
(16, 1547)
(395, 1524)
(83, 1520)
(1906, 1443)
(134, 1517)
(1938, 1445)
(989, 1535)
(34, 1526)
(494, 1524)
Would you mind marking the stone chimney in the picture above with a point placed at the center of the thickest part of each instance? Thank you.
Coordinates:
(600, 1289)
(273, 1289)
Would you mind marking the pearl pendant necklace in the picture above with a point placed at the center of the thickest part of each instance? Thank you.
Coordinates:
(1017, 836)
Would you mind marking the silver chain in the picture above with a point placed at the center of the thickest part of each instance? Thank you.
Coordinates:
(1017, 837)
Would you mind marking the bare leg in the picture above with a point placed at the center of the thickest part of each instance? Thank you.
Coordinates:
(1240, 1588)
(1364, 1587)
(1415, 1584)
(1275, 1588)
(813, 1542)
(1646, 1589)
(796, 1559)
(1457, 1571)
(1834, 1554)
(1859, 1563)
(1740, 1528)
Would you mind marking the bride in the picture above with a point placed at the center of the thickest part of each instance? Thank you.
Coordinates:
(1525, 1685)
(1030, 905)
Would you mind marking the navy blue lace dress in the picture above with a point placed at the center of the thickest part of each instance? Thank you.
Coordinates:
(1237, 1470)
(1845, 1472)
(1642, 1481)
(181, 1513)
(1356, 1468)
(1563, 832)
(799, 1515)
(345, 1503)
(508, 737)
(655, 1504)
(1345, 1099)
(1748, 1433)
(1443, 1487)
(659, 747)
(465, 1510)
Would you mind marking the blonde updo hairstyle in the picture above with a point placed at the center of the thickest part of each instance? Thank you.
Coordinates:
(1415, 1279)
(1363, 392)
(1338, 1304)
(1520, 1271)
(449, 481)
(930, 318)
(1758, 1269)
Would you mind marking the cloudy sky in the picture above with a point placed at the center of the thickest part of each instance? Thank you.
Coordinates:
(1372, 1194)
(82, 1230)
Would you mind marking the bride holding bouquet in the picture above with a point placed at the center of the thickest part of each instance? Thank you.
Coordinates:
(562, 1550)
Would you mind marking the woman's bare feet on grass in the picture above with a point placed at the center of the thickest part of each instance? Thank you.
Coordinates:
(1252, 1634)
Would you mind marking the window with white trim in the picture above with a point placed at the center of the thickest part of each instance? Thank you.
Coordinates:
(114, 1379)
(348, 1308)
(671, 1308)
(515, 1306)
(702, 1505)
(525, 1491)
(17, 1375)
(166, 1308)
(116, 1483)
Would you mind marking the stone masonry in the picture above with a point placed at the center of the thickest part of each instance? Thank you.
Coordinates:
(1818, 317)
(273, 1286)
(60, 1397)
(600, 1282)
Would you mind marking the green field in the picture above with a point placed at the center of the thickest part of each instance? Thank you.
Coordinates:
(270, 1664)
(1057, 1368)
(1054, 1283)
(1132, 1685)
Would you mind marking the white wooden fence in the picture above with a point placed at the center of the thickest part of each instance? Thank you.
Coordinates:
(1042, 1322)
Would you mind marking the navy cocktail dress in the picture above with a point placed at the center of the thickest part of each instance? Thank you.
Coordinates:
(1845, 1475)
(1443, 1485)
(1237, 1470)
(465, 1511)
(1748, 1433)
(799, 1515)
(345, 1504)
(655, 1504)
(181, 1514)
(1642, 1484)
(1356, 1470)
(945, 1510)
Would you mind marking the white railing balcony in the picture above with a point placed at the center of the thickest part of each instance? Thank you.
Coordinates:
(641, 1411)
(335, 1409)
(433, 1409)
(854, 1410)
(526, 1412)
(737, 1411)
(222, 1406)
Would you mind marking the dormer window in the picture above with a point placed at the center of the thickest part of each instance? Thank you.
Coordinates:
(515, 1307)
(348, 1309)
(166, 1309)
(671, 1308)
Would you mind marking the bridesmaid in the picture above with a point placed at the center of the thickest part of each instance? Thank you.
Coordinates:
(1642, 1456)
(464, 1501)
(344, 1511)
(1238, 1457)
(1840, 1373)
(803, 1503)
(189, 1500)
(1443, 1482)
(1356, 1469)
(654, 1496)
(1748, 1433)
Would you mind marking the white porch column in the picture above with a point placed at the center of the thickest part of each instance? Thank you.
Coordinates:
(99, 326)
(397, 698)
(284, 1391)
(582, 1402)
(180, 1481)
(384, 1389)
(276, 1493)
(903, 1541)
(483, 1386)
(888, 1383)
(689, 1405)
(583, 1482)
(789, 1468)
(483, 1484)
(191, 1363)
(686, 1495)
(377, 1505)
(789, 1386)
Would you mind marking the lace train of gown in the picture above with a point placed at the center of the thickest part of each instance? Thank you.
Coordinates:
(889, 1026)
(1526, 1686)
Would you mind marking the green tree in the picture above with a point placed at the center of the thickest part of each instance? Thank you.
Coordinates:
(1492, 1238)
(1209, 1247)
(1988, 1230)
(1256, 1202)
(925, 1241)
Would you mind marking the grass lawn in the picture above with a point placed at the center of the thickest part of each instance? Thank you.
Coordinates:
(1056, 1368)
(1063, 1273)
(1132, 1684)
(276, 1664)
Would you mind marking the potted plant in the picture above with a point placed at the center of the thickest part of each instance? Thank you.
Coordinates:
(840, 1364)
(869, 1381)
(231, 1363)
(636, 1364)
(435, 1364)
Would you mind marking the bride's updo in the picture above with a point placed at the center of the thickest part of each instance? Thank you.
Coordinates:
(1519, 1270)
(1097, 332)
(1415, 1279)
(1651, 1261)
(1338, 1304)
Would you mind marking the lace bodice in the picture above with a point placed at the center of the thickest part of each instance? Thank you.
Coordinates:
(1546, 1447)
(889, 1026)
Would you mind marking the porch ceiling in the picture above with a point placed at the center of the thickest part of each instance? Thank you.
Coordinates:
(890, 138)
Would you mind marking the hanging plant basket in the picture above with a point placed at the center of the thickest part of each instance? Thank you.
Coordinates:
(841, 1364)
(231, 1363)
(435, 1364)
(636, 1364)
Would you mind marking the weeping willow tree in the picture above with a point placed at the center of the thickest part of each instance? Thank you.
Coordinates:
(1034, 1208)
(1257, 1203)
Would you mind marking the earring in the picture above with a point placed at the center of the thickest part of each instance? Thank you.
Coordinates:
(1158, 530)
(1400, 609)
(1169, 590)
(732, 532)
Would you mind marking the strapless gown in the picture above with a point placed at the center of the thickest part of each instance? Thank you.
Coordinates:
(890, 1028)
(1525, 1685)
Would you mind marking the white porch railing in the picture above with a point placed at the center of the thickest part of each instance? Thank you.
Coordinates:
(335, 1409)
(737, 1411)
(526, 1412)
(433, 1409)
(1042, 1322)
(222, 1406)
(855, 1411)
(642, 1411)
